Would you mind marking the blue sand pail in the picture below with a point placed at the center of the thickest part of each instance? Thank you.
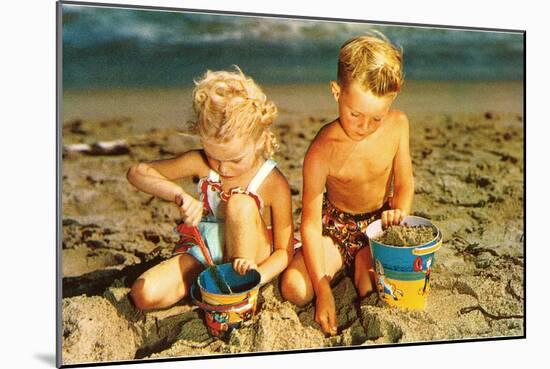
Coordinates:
(403, 273)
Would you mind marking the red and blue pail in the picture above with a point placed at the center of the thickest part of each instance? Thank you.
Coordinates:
(224, 312)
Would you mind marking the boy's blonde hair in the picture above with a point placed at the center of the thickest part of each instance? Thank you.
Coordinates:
(230, 104)
(372, 61)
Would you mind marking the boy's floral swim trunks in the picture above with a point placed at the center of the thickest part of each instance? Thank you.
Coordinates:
(348, 230)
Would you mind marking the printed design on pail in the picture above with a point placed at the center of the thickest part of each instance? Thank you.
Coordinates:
(426, 272)
(217, 322)
(403, 272)
(224, 312)
(385, 288)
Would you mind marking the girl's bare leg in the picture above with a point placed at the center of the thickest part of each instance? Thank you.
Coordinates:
(245, 232)
(166, 283)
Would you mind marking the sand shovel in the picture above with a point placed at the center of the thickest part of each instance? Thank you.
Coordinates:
(218, 278)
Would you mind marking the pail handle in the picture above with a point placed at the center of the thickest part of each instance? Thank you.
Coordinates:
(428, 249)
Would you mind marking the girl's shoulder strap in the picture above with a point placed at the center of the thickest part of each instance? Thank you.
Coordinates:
(213, 176)
(258, 179)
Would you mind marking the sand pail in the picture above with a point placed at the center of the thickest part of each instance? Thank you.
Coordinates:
(225, 312)
(403, 273)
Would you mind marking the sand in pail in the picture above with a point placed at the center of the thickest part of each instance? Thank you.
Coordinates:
(224, 312)
(403, 272)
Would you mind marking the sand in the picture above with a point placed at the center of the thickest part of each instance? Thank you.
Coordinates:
(467, 146)
(401, 235)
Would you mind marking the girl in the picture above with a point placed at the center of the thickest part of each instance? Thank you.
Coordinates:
(244, 207)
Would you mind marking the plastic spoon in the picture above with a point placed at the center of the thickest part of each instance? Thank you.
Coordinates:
(220, 281)
(222, 284)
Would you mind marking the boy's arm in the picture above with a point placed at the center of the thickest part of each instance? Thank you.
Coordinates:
(281, 219)
(403, 172)
(314, 174)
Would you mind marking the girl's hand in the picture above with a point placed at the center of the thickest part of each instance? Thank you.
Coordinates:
(392, 217)
(242, 266)
(190, 209)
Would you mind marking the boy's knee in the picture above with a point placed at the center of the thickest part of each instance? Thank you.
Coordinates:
(364, 274)
(364, 285)
(143, 296)
(294, 288)
(240, 205)
(364, 258)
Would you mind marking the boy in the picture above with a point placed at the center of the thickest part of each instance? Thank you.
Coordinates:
(358, 159)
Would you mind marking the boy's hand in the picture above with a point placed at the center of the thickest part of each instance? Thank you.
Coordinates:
(392, 217)
(325, 309)
(190, 209)
(242, 266)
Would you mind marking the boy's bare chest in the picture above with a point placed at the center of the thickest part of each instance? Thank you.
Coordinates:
(364, 164)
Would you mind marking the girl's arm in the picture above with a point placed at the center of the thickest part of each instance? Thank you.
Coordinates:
(282, 228)
(156, 177)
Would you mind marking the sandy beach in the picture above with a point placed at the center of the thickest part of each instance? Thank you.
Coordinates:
(467, 145)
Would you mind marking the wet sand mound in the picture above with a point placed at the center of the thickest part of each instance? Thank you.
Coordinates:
(93, 331)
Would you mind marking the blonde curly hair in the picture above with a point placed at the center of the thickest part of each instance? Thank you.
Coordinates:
(372, 61)
(229, 104)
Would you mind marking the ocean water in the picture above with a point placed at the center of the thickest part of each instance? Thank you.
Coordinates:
(115, 47)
